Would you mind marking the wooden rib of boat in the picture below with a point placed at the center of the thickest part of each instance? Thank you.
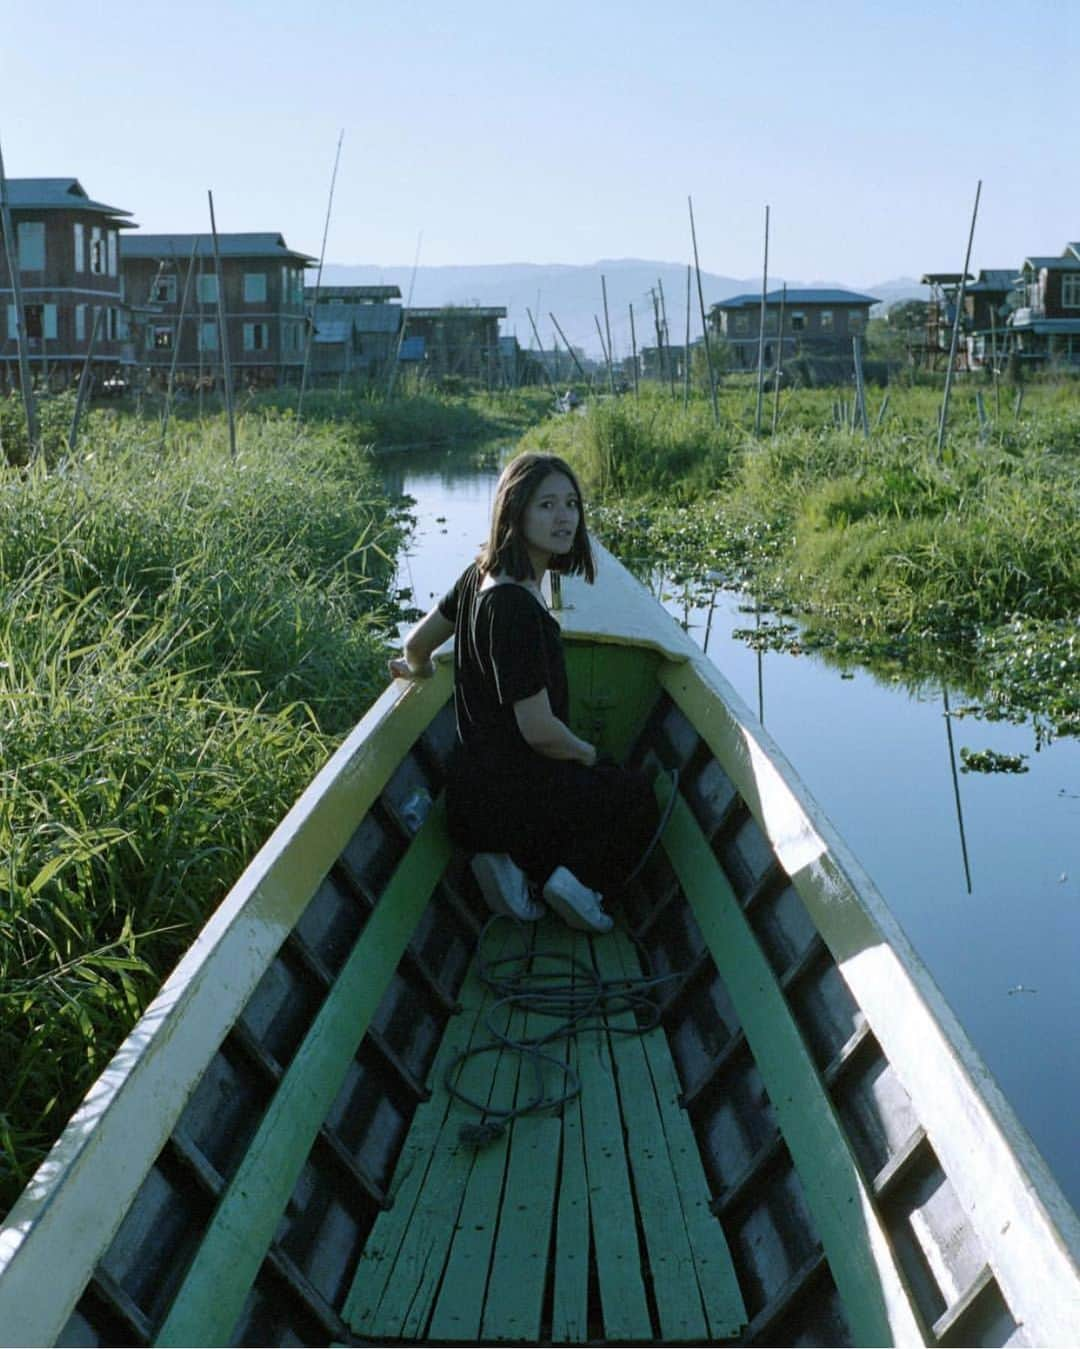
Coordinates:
(806, 1150)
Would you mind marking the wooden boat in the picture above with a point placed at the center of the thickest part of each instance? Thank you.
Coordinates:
(805, 1150)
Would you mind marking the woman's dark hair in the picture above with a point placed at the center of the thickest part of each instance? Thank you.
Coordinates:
(505, 552)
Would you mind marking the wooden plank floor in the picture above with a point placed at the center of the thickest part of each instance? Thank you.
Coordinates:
(588, 1222)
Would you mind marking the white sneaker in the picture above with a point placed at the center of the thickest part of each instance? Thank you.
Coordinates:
(576, 904)
(505, 886)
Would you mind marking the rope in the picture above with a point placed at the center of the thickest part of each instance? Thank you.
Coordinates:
(573, 995)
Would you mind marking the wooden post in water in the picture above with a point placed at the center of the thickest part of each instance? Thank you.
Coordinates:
(779, 361)
(26, 387)
(633, 349)
(310, 337)
(569, 348)
(607, 328)
(686, 347)
(704, 321)
(761, 331)
(84, 382)
(942, 420)
(226, 367)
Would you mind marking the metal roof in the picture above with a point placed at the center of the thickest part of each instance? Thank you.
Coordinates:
(944, 278)
(55, 194)
(1055, 264)
(458, 311)
(357, 294)
(995, 278)
(365, 318)
(179, 246)
(332, 332)
(795, 297)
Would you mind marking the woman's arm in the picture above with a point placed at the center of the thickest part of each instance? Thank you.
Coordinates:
(545, 733)
(430, 633)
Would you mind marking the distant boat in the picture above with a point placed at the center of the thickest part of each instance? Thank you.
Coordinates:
(806, 1150)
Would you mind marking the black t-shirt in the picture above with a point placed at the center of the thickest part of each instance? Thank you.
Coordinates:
(506, 647)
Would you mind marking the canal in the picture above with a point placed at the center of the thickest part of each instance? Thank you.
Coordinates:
(981, 870)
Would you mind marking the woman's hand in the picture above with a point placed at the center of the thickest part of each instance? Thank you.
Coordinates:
(400, 668)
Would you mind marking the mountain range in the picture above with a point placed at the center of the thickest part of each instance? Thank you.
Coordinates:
(575, 295)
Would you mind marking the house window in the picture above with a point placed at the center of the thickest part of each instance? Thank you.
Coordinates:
(31, 246)
(826, 320)
(110, 239)
(798, 321)
(208, 290)
(161, 337)
(208, 336)
(80, 323)
(256, 336)
(741, 323)
(856, 321)
(80, 248)
(99, 260)
(254, 287)
(1070, 290)
(164, 290)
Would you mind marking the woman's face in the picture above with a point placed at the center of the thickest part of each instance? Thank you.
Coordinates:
(551, 518)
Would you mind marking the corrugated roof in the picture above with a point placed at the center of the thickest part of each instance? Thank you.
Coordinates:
(458, 311)
(994, 278)
(1051, 264)
(366, 318)
(54, 194)
(795, 297)
(358, 294)
(231, 245)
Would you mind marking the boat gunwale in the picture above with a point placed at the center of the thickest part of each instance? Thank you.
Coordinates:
(1011, 1192)
(112, 1140)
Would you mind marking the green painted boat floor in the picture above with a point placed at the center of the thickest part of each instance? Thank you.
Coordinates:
(587, 1222)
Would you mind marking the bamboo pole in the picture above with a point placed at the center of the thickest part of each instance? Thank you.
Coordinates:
(404, 320)
(779, 362)
(633, 348)
(656, 331)
(686, 347)
(860, 387)
(566, 344)
(607, 329)
(994, 361)
(667, 337)
(318, 283)
(84, 382)
(943, 419)
(170, 388)
(881, 412)
(540, 344)
(226, 367)
(607, 354)
(761, 331)
(704, 322)
(26, 388)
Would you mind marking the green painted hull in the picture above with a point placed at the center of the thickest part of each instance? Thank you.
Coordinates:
(805, 1150)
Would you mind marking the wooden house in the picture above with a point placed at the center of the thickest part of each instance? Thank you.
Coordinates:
(816, 323)
(68, 250)
(459, 341)
(1044, 326)
(170, 282)
(356, 331)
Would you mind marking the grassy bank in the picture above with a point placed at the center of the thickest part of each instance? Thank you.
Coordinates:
(183, 639)
(881, 545)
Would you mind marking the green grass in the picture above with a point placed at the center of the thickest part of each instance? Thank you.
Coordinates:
(883, 546)
(183, 640)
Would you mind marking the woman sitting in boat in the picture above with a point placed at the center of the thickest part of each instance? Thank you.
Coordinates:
(524, 793)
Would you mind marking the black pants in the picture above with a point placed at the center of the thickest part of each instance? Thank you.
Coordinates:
(548, 813)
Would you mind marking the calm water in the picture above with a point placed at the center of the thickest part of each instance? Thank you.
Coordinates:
(1005, 951)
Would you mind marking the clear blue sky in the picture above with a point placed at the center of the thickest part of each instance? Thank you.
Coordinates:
(562, 132)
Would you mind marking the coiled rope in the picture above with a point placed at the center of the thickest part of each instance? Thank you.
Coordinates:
(569, 992)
